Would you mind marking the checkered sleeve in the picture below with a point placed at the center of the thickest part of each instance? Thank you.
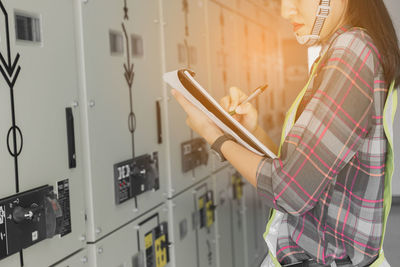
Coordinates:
(328, 132)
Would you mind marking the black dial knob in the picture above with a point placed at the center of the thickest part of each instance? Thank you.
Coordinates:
(21, 214)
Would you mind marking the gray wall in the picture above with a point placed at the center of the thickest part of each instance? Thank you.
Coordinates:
(394, 8)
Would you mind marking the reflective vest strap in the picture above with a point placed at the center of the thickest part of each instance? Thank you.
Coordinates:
(389, 112)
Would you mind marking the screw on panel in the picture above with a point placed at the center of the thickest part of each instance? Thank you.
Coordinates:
(92, 103)
(136, 227)
(98, 230)
(82, 238)
(100, 250)
(75, 104)
(135, 210)
(84, 259)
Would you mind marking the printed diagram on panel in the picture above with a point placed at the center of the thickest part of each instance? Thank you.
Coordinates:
(140, 173)
(10, 69)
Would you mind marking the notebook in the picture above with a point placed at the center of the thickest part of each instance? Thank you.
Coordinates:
(183, 81)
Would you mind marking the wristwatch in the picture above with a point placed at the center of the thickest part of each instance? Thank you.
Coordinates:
(216, 146)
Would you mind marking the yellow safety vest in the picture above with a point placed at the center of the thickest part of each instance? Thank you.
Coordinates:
(388, 118)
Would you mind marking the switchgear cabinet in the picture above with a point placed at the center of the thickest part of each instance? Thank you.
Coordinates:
(143, 242)
(184, 46)
(230, 217)
(121, 95)
(40, 156)
(192, 226)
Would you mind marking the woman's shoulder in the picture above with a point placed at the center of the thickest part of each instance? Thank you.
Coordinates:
(355, 41)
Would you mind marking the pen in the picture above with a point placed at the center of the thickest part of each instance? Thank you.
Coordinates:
(255, 93)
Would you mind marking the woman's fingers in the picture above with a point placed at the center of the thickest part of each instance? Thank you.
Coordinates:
(225, 102)
(244, 109)
(237, 96)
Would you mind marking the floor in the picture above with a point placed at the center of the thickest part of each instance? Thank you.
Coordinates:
(391, 244)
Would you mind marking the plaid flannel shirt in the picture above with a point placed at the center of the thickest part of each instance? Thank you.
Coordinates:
(329, 178)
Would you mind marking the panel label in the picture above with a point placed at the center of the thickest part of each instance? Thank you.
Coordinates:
(3, 233)
(148, 240)
(64, 201)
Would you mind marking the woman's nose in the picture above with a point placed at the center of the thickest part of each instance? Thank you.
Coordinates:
(288, 9)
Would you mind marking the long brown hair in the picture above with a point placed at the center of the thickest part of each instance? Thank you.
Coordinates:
(373, 16)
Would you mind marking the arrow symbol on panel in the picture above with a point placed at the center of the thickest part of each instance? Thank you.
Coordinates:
(129, 73)
(9, 68)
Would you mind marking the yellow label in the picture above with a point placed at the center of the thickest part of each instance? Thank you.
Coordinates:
(237, 184)
(148, 240)
(239, 189)
(210, 213)
(161, 253)
(201, 203)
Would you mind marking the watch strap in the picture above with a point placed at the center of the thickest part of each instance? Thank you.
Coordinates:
(216, 146)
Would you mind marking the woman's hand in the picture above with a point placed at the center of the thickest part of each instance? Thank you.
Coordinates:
(197, 120)
(246, 114)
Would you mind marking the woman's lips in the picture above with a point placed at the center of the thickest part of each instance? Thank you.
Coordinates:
(297, 26)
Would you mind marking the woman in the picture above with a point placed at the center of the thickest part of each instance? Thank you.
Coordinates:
(335, 159)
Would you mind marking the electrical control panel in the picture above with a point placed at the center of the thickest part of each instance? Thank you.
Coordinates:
(134, 177)
(253, 234)
(231, 218)
(239, 216)
(192, 226)
(123, 111)
(184, 46)
(39, 133)
(224, 61)
(203, 194)
(143, 242)
(28, 218)
(194, 154)
(224, 218)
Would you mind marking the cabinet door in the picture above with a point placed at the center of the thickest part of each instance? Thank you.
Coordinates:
(122, 102)
(39, 86)
(184, 46)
